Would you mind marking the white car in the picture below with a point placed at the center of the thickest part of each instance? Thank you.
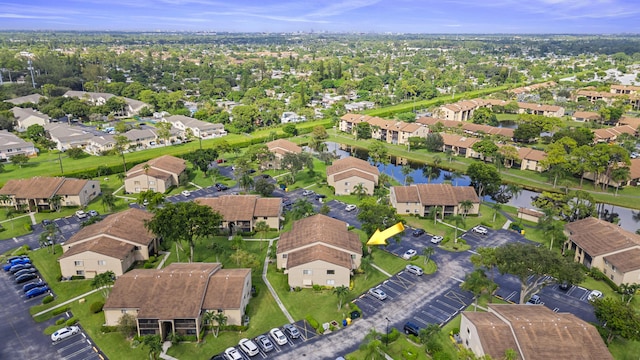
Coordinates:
(249, 347)
(186, 193)
(413, 269)
(595, 294)
(307, 192)
(378, 293)
(480, 230)
(64, 333)
(409, 254)
(232, 354)
(350, 207)
(81, 214)
(436, 239)
(278, 336)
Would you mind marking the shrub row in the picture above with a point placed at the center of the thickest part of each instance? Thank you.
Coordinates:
(47, 299)
(59, 311)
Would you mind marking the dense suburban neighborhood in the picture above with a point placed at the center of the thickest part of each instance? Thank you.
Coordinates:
(237, 196)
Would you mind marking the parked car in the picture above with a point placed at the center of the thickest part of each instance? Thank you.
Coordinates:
(232, 354)
(24, 278)
(64, 333)
(292, 331)
(278, 336)
(93, 213)
(46, 222)
(377, 293)
(10, 259)
(409, 254)
(186, 193)
(595, 294)
(307, 192)
(81, 214)
(37, 291)
(15, 268)
(30, 270)
(265, 344)
(32, 285)
(411, 328)
(350, 207)
(417, 232)
(480, 230)
(14, 262)
(249, 347)
(413, 269)
(564, 286)
(436, 239)
(221, 187)
(534, 300)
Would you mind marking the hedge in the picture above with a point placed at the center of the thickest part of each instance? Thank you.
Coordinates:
(71, 321)
(47, 299)
(96, 307)
(59, 311)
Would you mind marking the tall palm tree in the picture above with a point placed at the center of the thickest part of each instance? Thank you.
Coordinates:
(435, 211)
(359, 190)
(457, 222)
(261, 227)
(514, 189)
(427, 252)
(56, 200)
(246, 181)
(449, 154)
(465, 205)
(146, 169)
(221, 320)
(620, 175)
(365, 267)
(406, 170)
(341, 292)
(496, 207)
(478, 283)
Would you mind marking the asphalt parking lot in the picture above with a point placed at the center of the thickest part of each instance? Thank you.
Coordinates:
(306, 333)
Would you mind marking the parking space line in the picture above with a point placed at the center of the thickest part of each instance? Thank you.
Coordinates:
(75, 342)
(79, 352)
(447, 305)
(445, 313)
(458, 297)
(438, 320)
(419, 319)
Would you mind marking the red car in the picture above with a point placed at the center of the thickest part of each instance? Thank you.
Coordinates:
(220, 161)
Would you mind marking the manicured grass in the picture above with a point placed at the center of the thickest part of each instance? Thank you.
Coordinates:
(392, 264)
(15, 226)
(399, 349)
(624, 349)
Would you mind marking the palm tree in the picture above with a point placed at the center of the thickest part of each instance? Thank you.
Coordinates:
(155, 345)
(214, 172)
(359, 190)
(435, 210)
(478, 283)
(108, 201)
(341, 292)
(465, 205)
(221, 320)
(246, 181)
(56, 200)
(496, 207)
(406, 170)
(371, 345)
(427, 252)
(620, 175)
(261, 227)
(436, 161)
(454, 175)
(449, 154)
(515, 190)
(457, 222)
(4, 199)
(146, 169)
(365, 267)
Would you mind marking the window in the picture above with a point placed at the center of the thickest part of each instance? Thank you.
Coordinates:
(136, 182)
(80, 272)
(331, 282)
(78, 263)
(307, 272)
(138, 248)
(152, 182)
(468, 331)
(123, 311)
(346, 183)
(331, 272)
(284, 256)
(265, 218)
(102, 262)
(611, 276)
(353, 256)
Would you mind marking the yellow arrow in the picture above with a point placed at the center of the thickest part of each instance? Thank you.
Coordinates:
(380, 237)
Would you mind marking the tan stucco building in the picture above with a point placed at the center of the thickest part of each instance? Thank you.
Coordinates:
(345, 174)
(26, 117)
(242, 212)
(319, 250)
(158, 174)
(530, 159)
(420, 199)
(39, 193)
(531, 332)
(158, 300)
(279, 148)
(389, 131)
(113, 244)
(607, 247)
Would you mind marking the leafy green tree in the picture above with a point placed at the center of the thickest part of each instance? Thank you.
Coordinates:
(434, 142)
(76, 153)
(108, 201)
(154, 343)
(376, 216)
(478, 283)
(484, 115)
(290, 130)
(363, 130)
(484, 178)
(264, 187)
(486, 147)
(103, 281)
(20, 160)
(246, 181)
(127, 325)
(378, 152)
(617, 319)
(301, 209)
(341, 292)
(36, 133)
(153, 199)
(195, 221)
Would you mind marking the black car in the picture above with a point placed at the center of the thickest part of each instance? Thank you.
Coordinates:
(417, 232)
(15, 268)
(564, 286)
(24, 278)
(411, 328)
(30, 270)
(221, 187)
(46, 222)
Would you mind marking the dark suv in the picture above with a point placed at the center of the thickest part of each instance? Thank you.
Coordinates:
(411, 328)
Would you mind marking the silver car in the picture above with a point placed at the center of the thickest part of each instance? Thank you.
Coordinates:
(413, 269)
(377, 293)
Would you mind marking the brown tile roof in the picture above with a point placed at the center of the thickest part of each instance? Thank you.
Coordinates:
(319, 229)
(166, 163)
(609, 133)
(530, 106)
(152, 173)
(494, 334)
(589, 115)
(634, 122)
(635, 169)
(355, 118)
(350, 163)
(436, 194)
(625, 87)
(531, 154)
(243, 207)
(269, 207)
(127, 225)
(599, 237)
(354, 172)
(458, 141)
(34, 188)
(225, 289)
(544, 334)
(160, 294)
(625, 261)
(321, 253)
(72, 186)
(531, 212)
(283, 146)
(101, 245)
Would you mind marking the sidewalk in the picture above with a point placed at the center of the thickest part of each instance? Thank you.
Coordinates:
(271, 290)
(67, 302)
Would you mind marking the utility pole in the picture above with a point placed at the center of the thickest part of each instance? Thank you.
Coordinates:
(33, 80)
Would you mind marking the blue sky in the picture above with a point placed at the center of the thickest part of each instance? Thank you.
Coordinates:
(409, 16)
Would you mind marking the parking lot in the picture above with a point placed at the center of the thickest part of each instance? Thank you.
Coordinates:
(77, 347)
(306, 333)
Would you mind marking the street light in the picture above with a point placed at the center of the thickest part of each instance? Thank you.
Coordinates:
(386, 338)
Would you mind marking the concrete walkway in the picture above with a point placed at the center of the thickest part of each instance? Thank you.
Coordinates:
(196, 185)
(506, 224)
(18, 217)
(165, 346)
(67, 302)
(380, 269)
(271, 290)
(166, 256)
(121, 196)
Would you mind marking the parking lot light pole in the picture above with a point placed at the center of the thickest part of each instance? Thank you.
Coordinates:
(386, 338)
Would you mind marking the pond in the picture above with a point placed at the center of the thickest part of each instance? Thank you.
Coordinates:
(629, 218)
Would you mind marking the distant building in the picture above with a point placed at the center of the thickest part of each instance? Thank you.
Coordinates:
(242, 212)
(291, 117)
(157, 174)
(11, 145)
(33, 98)
(421, 199)
(279, 148)
(26, 117)
(347, 173)
(39, 193)
(199, 129)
